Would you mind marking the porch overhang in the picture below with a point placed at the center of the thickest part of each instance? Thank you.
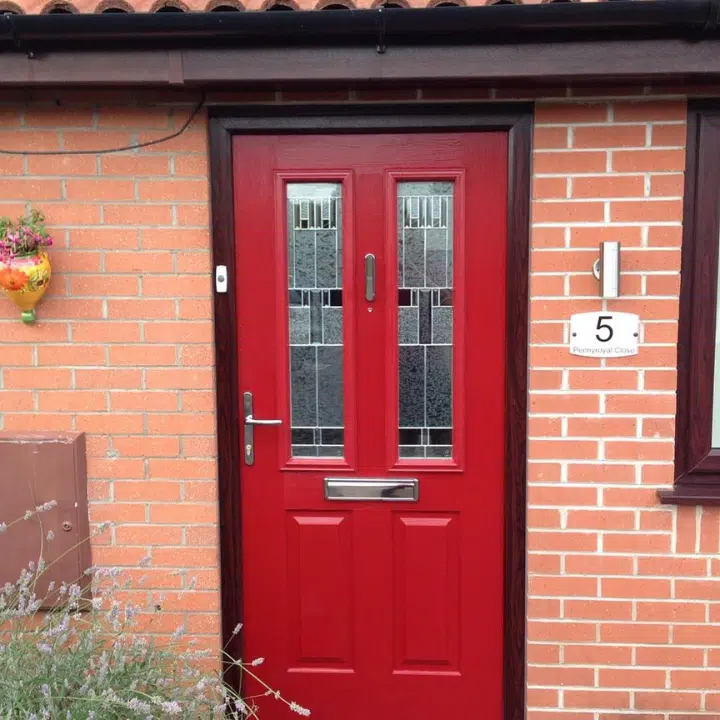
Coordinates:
(625, 41)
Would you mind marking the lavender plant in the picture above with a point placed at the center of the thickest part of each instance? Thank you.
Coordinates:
(84, 658)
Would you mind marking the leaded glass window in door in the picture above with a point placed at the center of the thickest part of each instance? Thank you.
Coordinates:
(425, 299)
(314, 216)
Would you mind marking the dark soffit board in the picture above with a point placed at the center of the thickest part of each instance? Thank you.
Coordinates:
(619, 40)
(650, 60)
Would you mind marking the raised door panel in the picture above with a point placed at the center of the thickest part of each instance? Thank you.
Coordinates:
(426, 572)
(320, 585)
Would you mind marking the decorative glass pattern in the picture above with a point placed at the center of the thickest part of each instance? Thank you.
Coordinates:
(314, 212)
(425, 299)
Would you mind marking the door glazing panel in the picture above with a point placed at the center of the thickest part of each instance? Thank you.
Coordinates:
(425, 312)
(315, 297)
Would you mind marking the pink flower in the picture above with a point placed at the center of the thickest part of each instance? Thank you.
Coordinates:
(24, 237)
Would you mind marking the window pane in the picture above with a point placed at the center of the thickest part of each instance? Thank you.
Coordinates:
(316, 318)
(425, 299)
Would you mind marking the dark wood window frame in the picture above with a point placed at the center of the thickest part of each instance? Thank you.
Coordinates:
(516, 120)
(697, 463)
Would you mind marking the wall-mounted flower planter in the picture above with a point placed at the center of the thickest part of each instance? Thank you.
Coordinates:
(24, 280)
(24, 264)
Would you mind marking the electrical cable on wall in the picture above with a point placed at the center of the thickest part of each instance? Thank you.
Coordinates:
(105, 151)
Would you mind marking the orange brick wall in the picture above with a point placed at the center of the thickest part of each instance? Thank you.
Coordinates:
(624, 598)
(123, 348)
(620, 588)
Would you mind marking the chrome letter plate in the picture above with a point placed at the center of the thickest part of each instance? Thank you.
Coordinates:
(377, 489)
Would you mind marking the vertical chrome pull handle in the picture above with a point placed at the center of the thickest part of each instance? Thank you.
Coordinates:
(369, 277)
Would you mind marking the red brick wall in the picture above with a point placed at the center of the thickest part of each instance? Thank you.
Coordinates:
(624, 600)
(619, 586)
(123, 347)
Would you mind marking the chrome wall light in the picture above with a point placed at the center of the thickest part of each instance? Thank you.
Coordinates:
(607, 270)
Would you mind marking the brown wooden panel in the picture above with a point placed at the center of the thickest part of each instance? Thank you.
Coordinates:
(609, 60)
(149, 67)
(544, 62)
(38, 468)
(697, 463)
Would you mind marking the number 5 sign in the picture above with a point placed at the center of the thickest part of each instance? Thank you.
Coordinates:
(604, 334)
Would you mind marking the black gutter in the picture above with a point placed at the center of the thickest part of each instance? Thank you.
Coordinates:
(559, 22)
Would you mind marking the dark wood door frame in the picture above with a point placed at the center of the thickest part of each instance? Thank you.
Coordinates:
(516, 120)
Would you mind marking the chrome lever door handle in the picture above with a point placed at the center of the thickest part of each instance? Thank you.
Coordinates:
(249, 429)
(250, 420)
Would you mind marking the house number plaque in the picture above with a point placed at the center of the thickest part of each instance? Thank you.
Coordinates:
(604, 334)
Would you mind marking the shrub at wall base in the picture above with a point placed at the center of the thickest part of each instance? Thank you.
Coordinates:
(25, 268)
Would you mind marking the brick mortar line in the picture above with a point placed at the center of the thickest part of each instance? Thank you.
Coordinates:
(621, 199)
(605, 175)
(611, 224)
(609, 124)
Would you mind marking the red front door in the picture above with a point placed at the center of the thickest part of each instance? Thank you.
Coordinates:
(371, 323)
